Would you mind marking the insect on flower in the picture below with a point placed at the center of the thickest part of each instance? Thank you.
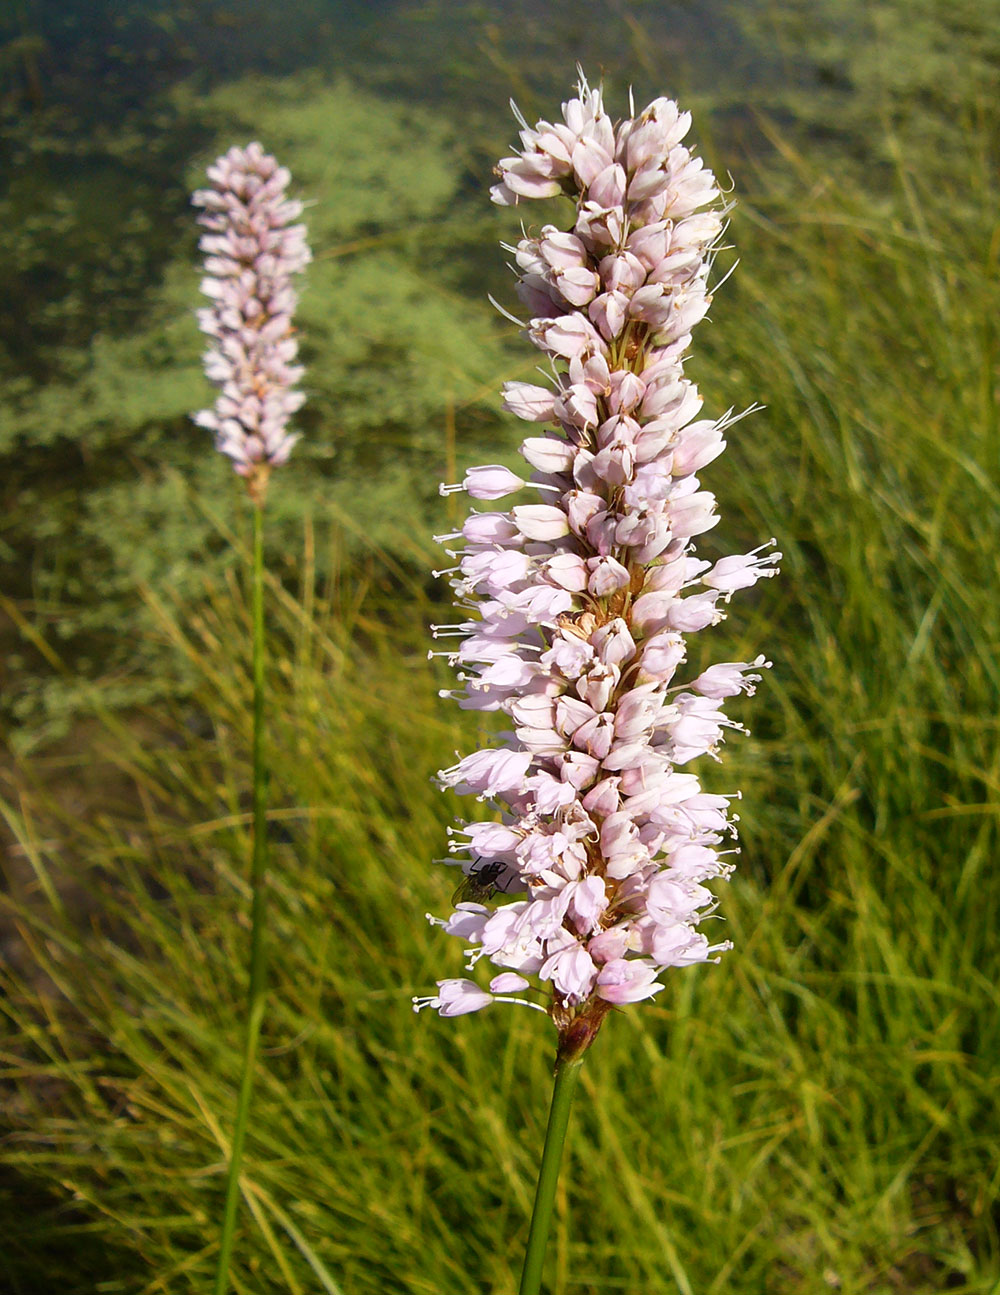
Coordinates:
(479, 885)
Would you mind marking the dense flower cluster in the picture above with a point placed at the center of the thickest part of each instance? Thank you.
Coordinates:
(252, 248)
(576, 607)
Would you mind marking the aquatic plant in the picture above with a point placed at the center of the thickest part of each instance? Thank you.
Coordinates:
(576, 609)
(252, 248)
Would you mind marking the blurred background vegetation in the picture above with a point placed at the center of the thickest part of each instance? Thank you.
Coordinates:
(819, 1113)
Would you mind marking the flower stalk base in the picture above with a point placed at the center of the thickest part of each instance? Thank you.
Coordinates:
(566, 1076)
(258, 880)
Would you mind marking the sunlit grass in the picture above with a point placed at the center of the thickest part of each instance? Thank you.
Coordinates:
(816, 1113)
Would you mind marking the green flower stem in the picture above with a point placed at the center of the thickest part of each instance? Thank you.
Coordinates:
(256, 991)
(567, 1073)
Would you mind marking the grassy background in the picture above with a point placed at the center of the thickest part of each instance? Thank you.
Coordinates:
(819, 1112)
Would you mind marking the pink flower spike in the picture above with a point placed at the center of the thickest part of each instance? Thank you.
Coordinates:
(598, 862)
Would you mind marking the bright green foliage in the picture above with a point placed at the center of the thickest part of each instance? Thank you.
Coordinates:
(874, 77)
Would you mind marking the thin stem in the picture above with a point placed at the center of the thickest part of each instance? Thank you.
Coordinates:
(256, 990)
(567, 1073)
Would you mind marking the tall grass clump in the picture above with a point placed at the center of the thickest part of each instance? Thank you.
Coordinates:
(819, 1115)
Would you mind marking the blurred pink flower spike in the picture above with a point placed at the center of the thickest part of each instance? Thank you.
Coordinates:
(252, 249)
